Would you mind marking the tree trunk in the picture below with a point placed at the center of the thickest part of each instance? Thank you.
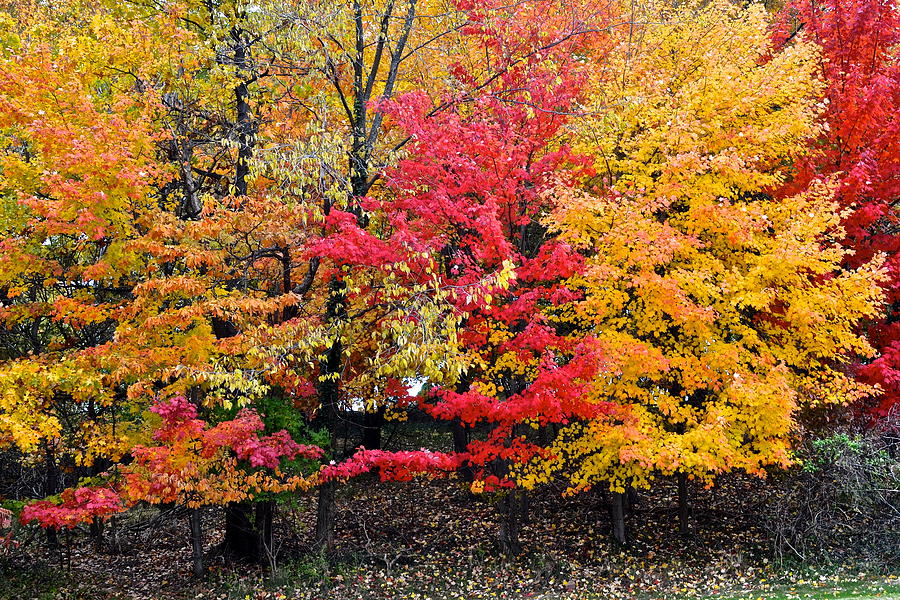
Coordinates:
(683, 505)
(244, 123)
(373, 421)
(328, 417)
(510, 524)
(524, 506)
(96, 527)
(196, 542)
(51, 486)
(632, 498)
(325, 516)
(96, 531)
(618, 517)
(241, 537)
(460, 445)
(52, 538)
(114, 535)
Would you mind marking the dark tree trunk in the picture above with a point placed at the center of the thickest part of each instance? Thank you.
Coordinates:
(510, 523)
(524, 506)
(241, 537)
(632, 499)
(601, 499)
(325, 516)
(51, 487)
(683, 505)
(373, 421)
(196, 542)
(249, 537)
(97, 525)
(328, 417)
(52, 538)
(114, 535)
(96, 531)
(245, 125)
(461, 444)
(617, 510)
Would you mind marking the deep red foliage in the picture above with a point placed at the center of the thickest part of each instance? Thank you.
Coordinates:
(239, 435)
(393, 466)
(77, 506)
(860, 41)
(188, 448)
(472, 191)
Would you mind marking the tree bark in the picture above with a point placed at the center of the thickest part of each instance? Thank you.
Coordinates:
(373, 421)
(197, 542)
(97, 524)
(325, 516)
(51, 486)
(510, 524)
(632, 498)
(96, 531)
(244, 123)
(265, 514)
(328, 417)
(460, 445)
(683, 505)
(617, 510)
(241, 537)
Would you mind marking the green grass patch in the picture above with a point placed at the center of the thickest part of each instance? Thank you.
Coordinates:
(855, 590)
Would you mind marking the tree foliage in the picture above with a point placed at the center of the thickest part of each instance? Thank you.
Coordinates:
(859, 43)
(718, 310)
(618, 239)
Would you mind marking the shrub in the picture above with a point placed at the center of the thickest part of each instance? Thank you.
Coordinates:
(840, 501)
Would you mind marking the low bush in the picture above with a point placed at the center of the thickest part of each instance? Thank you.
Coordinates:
(841, 501)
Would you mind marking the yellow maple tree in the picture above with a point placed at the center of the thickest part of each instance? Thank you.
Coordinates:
(721, 306)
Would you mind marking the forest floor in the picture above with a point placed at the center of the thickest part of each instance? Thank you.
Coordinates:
(428, 540)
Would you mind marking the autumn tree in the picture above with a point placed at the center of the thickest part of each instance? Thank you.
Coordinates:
(720, 306)
(368, 268)
(473, 187)
(77, 184)
(859, 42)
(257, 269)
(192, 465)
(568, 221)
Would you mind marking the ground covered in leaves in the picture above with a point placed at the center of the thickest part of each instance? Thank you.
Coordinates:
(429, 540)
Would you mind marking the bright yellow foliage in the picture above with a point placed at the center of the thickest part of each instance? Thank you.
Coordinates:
(720, 305)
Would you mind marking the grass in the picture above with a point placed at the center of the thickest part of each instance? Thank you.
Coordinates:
(851, 590)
